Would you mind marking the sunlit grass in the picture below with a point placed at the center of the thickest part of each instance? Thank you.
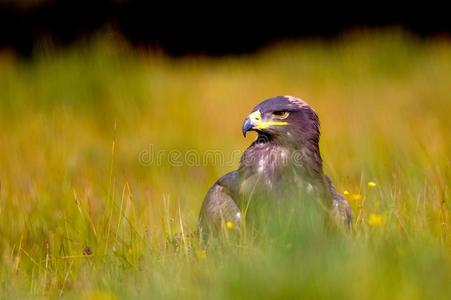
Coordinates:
(86, 213)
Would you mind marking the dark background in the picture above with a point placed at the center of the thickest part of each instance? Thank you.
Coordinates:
(214, 29)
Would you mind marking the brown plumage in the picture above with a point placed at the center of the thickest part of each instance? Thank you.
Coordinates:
(284, 162)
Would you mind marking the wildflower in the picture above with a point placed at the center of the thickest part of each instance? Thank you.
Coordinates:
(201, 254)
(376, 219)
(229, 225)
(356, 197)
(345, 192)
(371, 184)
(99, 295)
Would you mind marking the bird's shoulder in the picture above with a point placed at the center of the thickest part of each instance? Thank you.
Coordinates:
(226, 186)
(229, 182)
(220, 204)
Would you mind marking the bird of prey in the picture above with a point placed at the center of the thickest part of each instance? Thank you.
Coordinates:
(284, 161)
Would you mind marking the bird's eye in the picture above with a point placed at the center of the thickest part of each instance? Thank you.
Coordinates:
(281, 114)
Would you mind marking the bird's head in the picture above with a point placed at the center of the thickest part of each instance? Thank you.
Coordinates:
(285, 120)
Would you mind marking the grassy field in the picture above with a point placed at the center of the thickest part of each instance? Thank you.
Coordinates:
(106, 153)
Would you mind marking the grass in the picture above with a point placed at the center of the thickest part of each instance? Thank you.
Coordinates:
(106, 153)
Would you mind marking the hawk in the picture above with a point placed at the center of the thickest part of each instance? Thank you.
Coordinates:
(284, 162)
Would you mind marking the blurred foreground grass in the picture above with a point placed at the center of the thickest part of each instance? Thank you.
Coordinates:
(106, 154)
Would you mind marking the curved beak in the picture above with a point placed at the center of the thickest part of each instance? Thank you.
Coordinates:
(251, 122)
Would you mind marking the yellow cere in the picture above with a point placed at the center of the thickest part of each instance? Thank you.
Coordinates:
(255, 117)
(371, 184)
(266, 124)
(256, 121)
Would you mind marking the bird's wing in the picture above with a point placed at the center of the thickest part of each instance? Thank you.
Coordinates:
(340, 205)
(219, 206)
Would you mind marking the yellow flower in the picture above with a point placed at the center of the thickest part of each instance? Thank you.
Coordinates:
(356, 197)
(345, 192)
(376, 219)
(99, 295)
(229, 225)
(201, 254)
(371, 184)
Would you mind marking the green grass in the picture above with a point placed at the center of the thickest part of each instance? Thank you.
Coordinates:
(76, 126)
